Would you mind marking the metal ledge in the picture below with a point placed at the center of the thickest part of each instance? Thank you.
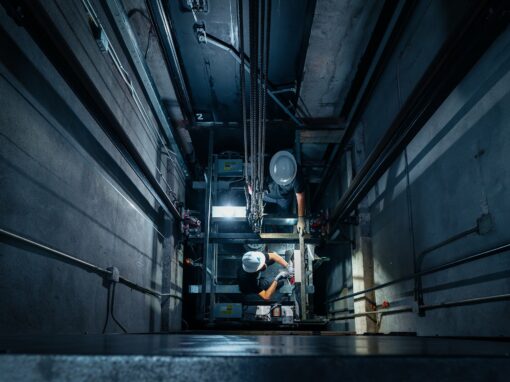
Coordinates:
(253, 238)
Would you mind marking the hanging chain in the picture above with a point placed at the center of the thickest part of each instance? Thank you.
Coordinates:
(259, 56)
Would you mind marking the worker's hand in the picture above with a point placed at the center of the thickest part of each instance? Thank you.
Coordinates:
(301, 225)
(290, 269)
(282, 275)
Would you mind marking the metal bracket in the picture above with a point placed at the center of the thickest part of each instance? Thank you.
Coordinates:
(200, 32)
(114, 275)
(484, 224)
(198, 5)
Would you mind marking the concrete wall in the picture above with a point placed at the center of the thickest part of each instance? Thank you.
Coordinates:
(65, 184)
(458, 171)
(332, 279)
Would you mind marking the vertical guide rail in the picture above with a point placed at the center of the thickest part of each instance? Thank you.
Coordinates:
(302, 285)
(207, 225)
(214, 247)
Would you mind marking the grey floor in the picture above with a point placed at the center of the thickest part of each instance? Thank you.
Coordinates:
(250, 357)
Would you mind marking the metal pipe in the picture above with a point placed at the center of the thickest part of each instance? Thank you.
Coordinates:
(450, 240)
(84, 264)
(418, 260)
(385, 311)
(470, 301)
(446, 304)
(64, 256)
(451, 264)
(164, 31)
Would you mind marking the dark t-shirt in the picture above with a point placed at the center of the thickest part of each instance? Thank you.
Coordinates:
(283, 192)
(252, 282)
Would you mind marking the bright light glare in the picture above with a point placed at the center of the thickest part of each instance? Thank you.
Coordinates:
(229, 212)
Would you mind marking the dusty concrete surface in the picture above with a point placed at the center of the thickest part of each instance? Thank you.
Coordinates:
(195, 357)
(66, 185)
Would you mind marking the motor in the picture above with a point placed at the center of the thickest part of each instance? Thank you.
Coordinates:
(319, 223)
(190, 225)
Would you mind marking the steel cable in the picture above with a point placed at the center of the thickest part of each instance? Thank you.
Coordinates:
(253, 95)
(266, 75)
(243, 86)
(260, 96)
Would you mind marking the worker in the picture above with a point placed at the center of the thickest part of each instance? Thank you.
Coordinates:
(286, 181)
(251, 279)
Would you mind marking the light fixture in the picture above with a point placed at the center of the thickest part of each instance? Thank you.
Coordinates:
(228, 212)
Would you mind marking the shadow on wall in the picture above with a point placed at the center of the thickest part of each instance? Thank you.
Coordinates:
(458, 169)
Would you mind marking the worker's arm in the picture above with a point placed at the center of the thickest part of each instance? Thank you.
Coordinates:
(301, 204)
(266, 294)
(278, 259)
(301, 208)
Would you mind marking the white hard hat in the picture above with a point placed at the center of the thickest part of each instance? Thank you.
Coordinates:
(283, 168)
(253, 261)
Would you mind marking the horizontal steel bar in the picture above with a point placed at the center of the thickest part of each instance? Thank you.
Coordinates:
(451, 264)
(249, 237)
(363, 314)
(270, 220)
(446, 304)
(85, 265)
(469, 301)
(81, 263)
(226, 289)
(445, 242)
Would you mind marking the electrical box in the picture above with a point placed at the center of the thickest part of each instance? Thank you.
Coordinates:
(229, 167)
(228, 310)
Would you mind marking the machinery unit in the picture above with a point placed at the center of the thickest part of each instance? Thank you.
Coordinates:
(229, 167)
(228, 310)
(275, 313)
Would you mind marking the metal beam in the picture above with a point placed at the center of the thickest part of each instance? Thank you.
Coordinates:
(253, 238)
(212, 40)
(221, 289)
(320, 136)
(268, 220)
(164, 31)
